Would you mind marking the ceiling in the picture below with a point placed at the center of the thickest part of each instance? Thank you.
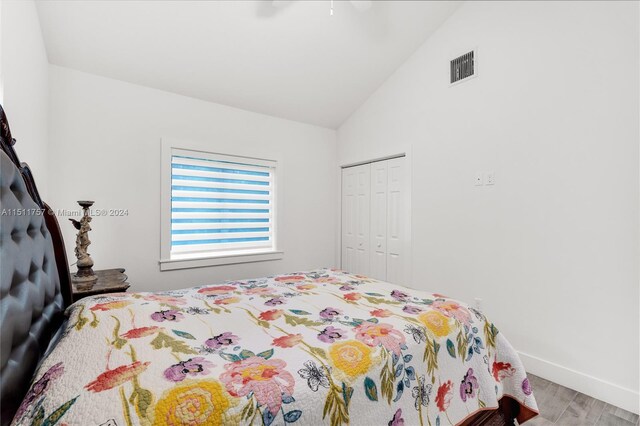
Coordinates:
(288, 59)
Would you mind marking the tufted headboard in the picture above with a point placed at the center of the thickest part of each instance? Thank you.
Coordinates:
(35, 284)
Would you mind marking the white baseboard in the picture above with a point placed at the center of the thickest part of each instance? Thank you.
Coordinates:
(622, 397)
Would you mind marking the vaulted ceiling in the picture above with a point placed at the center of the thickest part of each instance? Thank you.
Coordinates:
(288, 59)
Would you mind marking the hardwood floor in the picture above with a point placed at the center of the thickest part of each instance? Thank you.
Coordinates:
(562, 406)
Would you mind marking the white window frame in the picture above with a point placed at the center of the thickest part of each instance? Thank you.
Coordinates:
(169, 147)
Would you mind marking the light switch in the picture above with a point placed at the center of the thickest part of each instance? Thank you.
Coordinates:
(479, 179)
(490, 178)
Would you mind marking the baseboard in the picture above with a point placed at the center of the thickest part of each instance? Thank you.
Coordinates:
(611, 393)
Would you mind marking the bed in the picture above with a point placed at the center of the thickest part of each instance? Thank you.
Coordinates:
(304, 348)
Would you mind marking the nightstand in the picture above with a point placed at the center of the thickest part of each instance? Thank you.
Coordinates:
(109, 281)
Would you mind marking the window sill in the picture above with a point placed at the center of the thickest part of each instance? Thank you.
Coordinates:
(201, 262)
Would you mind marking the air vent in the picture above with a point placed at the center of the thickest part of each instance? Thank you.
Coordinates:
(462, 67)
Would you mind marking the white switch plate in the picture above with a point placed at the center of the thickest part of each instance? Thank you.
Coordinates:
(479, 179)
(490, 178)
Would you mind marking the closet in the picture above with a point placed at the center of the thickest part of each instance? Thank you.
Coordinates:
(375, 220)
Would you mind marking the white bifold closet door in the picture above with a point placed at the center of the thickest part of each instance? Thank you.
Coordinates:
(378, 216)
(356, 183)
(374, 221)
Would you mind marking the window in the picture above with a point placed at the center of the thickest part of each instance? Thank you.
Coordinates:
(217, 209)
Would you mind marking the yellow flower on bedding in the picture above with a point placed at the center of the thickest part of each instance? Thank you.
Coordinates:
(436, 322)
(196, 402)
(351, 357)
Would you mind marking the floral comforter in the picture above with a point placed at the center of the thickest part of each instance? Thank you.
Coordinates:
(312, 348)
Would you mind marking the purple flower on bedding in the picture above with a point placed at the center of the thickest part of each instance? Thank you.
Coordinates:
(169, 315)
(409, 309)
(331, 334)
(397, 419)
(274, 302)
(468, 386)
(330, 313)
(195, 366)
(39, 387)
(347, 287)
(526, 386)
(225, 339)
(399, 295)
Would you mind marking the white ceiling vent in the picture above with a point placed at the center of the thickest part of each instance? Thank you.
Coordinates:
(463, 67)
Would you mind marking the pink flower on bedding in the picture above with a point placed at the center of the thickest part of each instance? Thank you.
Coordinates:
(372, 334)
(352, 296)
(381, 313)
(169, 300)
(453, 310)
(119, 375)
(266, 378)
(303, 287)
(326, 280)
(271, 314)
(227, 300)
(259, 291)
(290, 278)
(135, 333)
(107, 306)
(287, 341)
(194, 366)
(39, 387)
(216, 290)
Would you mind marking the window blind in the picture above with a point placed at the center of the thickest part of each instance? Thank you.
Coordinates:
(220, 207)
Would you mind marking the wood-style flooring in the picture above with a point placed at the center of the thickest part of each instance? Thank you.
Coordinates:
(562, 406)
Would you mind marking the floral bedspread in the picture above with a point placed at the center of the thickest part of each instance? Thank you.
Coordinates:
(310, 348)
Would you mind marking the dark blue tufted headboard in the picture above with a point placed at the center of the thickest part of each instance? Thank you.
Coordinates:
(34, 287)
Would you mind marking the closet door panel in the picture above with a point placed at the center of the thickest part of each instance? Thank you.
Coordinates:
(379, 220)
(355, 219)
(396, 216)
(348, 218)
(363, 194)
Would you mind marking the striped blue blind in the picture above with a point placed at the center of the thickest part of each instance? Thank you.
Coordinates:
(220, 206)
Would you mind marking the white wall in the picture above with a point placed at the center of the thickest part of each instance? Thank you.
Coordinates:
(25, 91)
(105, 145)
(552, 248)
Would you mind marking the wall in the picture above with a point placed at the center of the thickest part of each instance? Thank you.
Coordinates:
(105, 143)
(25, 91)
(552, 247)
